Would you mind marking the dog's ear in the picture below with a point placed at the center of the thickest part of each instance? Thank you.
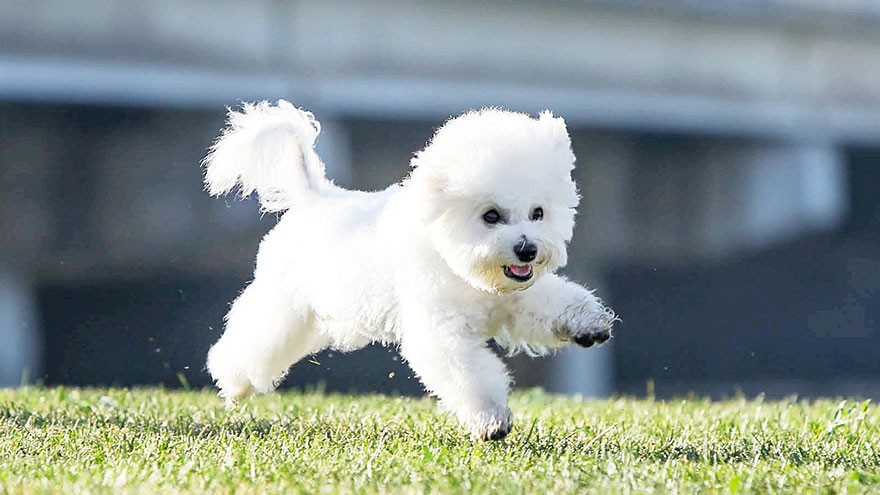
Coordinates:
(429, 188)
(555, 129)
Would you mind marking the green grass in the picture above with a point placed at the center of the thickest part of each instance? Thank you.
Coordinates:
(62, 440)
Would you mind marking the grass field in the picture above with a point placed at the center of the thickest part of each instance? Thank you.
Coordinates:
(60, 440)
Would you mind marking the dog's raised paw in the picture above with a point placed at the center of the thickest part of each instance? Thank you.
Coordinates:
(590, 337)
(595, 330)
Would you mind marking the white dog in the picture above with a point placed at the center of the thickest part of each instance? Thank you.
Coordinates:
(462, 251)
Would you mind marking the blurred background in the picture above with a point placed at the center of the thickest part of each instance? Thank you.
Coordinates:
(729, 160)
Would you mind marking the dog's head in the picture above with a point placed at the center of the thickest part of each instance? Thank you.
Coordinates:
(494, 189)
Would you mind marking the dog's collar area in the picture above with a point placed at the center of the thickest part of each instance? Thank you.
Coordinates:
(520, 273)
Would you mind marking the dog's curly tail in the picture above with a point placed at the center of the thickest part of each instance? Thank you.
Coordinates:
(269, 149)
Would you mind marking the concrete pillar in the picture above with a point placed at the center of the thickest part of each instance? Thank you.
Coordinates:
(27, 161)
(21, 352)
(603, 174)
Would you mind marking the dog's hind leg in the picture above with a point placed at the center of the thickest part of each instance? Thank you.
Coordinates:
(265, 334)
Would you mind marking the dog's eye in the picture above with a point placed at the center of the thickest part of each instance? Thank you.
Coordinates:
(492, 216)
(537, 214)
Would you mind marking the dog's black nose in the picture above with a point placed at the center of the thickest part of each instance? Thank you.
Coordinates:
(525, 250)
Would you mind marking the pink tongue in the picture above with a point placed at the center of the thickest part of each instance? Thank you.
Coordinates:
(520, 270)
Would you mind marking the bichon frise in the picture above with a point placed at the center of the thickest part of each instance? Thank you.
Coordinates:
(462, 251)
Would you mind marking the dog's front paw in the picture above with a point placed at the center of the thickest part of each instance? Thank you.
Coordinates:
(586, 329)
(492, 426)
(592, 336)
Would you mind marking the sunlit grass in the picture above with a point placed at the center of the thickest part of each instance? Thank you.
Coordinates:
(60, 440)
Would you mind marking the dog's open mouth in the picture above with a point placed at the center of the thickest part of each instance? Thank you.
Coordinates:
(520, 273)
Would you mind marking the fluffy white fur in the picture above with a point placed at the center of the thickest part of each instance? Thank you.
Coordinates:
(416, 265)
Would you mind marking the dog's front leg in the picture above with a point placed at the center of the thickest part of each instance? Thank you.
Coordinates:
(555, 311)
(468, 378)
